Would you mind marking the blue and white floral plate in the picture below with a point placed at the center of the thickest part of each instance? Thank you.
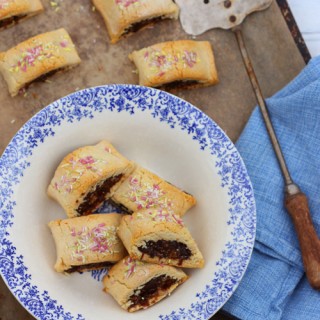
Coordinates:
(162, 133)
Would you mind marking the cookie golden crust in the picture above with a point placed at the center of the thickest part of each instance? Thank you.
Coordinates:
(138, 285)
(36, 57)
(182, 63)
(87, 177)
(13, 11)
(157, 236)
(123, 17)
(87, 243)
(144, 189)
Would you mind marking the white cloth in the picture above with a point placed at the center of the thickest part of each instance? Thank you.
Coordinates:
(306, 14)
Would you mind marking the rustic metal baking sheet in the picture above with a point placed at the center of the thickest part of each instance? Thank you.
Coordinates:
(275, 57)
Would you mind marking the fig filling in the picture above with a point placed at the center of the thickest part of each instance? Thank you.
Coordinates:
(150, 290)
(168, 249)
(89, 266)
(179, 84)
(11, 20)
(96, 197)
(141, 24)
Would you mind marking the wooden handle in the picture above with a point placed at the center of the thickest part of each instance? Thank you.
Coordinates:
(297, 206)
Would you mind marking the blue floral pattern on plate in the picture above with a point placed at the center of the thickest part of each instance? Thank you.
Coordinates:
(177, 114)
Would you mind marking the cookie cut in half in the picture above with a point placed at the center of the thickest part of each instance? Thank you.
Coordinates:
(145, 190)
(87, 243)
(37, 58)
(176, 64)
(138, 285)
(157, 236)
(123, 17)
(14, 11)
(87, 177)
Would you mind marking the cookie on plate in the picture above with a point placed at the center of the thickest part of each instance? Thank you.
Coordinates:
(144, 190)
(138, 285)
(14, 11)
(176, 64)
(87, 177)
(157, 236)
(37, 58)
(123, 17)
(87, 243)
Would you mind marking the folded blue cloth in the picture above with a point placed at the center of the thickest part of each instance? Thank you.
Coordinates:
(274, 285)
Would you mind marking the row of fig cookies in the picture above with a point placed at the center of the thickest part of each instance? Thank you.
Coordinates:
(154, 236)
(173, 64)
(122, 17)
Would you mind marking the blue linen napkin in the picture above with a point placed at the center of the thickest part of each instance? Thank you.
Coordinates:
(274, 285)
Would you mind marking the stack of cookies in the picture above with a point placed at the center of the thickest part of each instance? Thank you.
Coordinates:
(145, 247)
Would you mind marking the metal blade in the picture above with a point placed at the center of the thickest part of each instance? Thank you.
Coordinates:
(198, 16)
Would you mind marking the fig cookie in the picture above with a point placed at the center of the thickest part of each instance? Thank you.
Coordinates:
(88, 176)
(138, 285)
(87, 243)
(176, 64)
(123, 17)
(37, 58)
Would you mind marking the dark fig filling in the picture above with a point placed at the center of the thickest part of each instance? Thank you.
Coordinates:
(96, 197)
(142, 296)
(180, 84)
(11, 20)
(168, 249)
(89, 266)
(141, 24)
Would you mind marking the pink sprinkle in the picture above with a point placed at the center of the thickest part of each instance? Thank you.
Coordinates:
(133, 181)
(64, 43)
(126, 3)
(73, 232)
(190, 58)
(161, 60)
(87, 160)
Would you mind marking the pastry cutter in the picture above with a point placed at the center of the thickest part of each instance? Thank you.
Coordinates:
(229, 14)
